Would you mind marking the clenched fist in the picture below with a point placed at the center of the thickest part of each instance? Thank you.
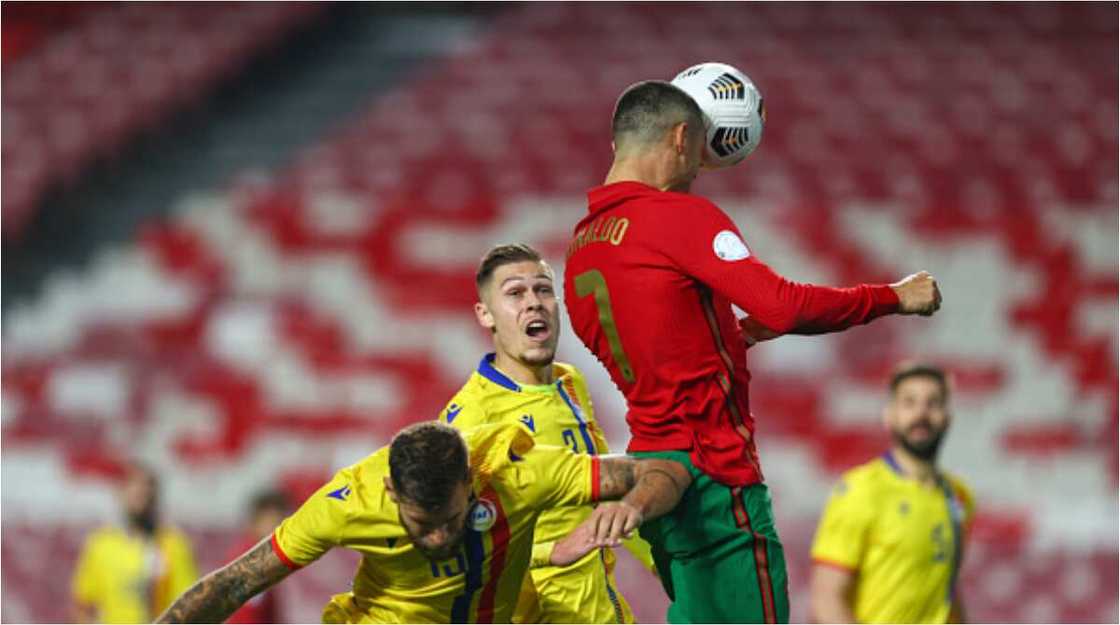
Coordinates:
(917, 294)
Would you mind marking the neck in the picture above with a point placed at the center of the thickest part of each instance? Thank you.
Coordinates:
(142, 529)
(649, 170)
(523, 373)
(924, 471)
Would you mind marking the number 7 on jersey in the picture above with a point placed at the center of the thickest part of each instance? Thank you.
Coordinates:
(592, 282)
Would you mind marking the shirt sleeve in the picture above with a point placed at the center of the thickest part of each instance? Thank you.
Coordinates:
(710, 248)
(85, 583)
(317, 526)
(842, 533)
(550, 476)
(462, 413)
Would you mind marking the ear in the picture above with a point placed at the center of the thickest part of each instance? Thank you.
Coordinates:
(482, 313)
(389, 489)
(886, 415)
(680, 138)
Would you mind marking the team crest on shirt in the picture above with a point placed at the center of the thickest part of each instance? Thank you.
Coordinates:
(483, 515)
(728, 246)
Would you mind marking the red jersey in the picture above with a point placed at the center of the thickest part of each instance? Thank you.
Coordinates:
(649, 283)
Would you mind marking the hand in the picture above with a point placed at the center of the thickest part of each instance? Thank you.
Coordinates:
(753, 331)
(917, 294)
(608, 524)
(612, 522)
(574, 546)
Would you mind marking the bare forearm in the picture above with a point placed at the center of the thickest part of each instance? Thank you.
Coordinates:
(830, 595)
(659, 486)
(212, 600)
(218, 595)
(831, 610)
(651, 486)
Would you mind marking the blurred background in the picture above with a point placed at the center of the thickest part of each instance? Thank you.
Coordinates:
(239, 242)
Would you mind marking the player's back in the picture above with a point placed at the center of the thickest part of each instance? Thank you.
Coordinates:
(670, 343)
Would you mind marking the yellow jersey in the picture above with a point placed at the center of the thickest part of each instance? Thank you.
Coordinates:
(128, 578)
(557, 414)
(903, 540)
(513, 480)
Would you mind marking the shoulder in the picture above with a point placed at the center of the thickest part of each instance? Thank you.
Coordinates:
(863, 480)
(102, 537)
(172, 535)
(564, 369)
(467, 405)
(495, 446)
(685, 207)
(961, 490)
(570, 375)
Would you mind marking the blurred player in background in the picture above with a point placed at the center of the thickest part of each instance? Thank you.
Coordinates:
(444, 522)
(521, 383)
(651, 275)
(130, 573)
(266, 512)
(889, 545)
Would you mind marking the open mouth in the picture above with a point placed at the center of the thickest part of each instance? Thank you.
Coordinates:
(538, 330)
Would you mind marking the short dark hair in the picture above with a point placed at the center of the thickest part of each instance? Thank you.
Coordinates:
(427, 461)
(648, 109)
(270, 500)
(909, 369)
(503, 255)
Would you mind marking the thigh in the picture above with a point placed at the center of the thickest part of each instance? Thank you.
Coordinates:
(719, 557)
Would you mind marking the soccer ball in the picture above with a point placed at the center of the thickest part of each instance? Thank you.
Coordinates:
(732, 107)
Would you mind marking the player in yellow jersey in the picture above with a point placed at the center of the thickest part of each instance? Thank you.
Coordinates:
(444, 521)
(890, 543)
(520, 382)
(130, 574)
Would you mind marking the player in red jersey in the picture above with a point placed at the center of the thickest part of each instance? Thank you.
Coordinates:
(651, 274)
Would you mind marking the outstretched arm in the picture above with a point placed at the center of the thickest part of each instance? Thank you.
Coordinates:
(706, 245)
(647, 488)
(218, 595)
(650, 486)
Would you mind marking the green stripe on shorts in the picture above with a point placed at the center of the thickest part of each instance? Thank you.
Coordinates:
(718, 553)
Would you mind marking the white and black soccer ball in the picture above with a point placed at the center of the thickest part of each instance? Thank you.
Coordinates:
(732, 107)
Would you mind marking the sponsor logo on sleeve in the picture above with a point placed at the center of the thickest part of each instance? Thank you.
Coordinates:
(728, 246)
(340, 494)
(453, 411)
(483, 515)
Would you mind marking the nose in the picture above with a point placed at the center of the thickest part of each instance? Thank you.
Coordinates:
(439, 537)
(533, 301)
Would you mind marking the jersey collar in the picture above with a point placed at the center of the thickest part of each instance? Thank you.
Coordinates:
(892, 462)
(605, 196)
(487, 370)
